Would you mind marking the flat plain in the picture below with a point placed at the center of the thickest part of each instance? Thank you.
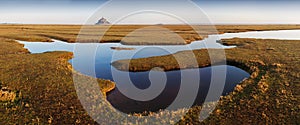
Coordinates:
(43, 90)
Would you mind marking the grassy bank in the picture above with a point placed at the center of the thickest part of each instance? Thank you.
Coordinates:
(116, 33)
(44, 87)
(269, 96)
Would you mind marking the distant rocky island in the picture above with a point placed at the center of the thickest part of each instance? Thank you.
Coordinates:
(102, 21)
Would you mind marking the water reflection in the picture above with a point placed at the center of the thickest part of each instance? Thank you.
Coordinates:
(84, 61)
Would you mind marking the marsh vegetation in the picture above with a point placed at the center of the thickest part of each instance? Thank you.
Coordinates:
(115, 33)
(270, 95)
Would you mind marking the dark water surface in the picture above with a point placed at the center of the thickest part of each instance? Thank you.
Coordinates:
(102, 56)
(141, 80)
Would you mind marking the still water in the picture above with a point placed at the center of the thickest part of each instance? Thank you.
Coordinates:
(102, 56)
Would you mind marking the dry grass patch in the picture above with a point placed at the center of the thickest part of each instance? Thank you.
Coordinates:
(46, 83)
(116, 33)
(7, 95)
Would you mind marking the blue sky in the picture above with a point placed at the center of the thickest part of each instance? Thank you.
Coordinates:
(218, 11)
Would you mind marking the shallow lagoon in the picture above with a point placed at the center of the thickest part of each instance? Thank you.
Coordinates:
(102, 56)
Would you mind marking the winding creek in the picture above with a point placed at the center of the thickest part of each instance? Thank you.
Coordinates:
(104, 55)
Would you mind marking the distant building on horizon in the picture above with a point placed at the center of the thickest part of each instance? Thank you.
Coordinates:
(102, 21)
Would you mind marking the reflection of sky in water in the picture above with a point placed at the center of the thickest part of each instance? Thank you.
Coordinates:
(103, 55)
(281, 34)
(94, 59)
(173, 84)
(40, 47)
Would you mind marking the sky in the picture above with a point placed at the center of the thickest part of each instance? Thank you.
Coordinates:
(116, 11)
